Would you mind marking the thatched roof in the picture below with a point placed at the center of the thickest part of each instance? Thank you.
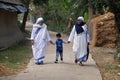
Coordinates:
(13, 6)
(12, 2)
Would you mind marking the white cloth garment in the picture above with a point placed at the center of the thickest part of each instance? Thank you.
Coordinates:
(39, 20)
(80, 18)
(40, 36)
(80, 43)
(44, 27)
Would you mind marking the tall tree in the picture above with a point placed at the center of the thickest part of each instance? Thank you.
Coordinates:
(26, 3)
(39, 7)
(114, 6)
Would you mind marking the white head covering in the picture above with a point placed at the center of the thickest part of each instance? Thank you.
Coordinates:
(44, 27)
(39, 20)
(80, 18)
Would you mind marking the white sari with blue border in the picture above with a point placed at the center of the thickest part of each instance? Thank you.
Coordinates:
(40, 36)
(80, 44)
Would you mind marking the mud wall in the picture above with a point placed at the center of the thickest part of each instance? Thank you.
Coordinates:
(9, 31)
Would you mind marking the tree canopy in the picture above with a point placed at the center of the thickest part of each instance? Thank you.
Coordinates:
(60, 11)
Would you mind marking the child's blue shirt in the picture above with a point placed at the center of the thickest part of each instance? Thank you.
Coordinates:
(59, 45)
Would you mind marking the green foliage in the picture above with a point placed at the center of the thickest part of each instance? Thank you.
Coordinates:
(56, 13)
(39, 2)
(86, 16)
(114, 6)
(60, 11)
(54, 28)
(75, 8)
(25, 2)
(99, 5)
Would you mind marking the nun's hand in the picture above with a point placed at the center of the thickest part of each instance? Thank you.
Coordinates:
(32, 42)
(51, 42)
(88, 45)
(68, 42)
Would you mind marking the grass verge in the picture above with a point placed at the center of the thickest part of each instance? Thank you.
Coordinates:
(106, 63)
(15, 58)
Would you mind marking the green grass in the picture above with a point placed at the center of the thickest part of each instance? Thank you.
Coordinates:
(17, 56)
(108, 68)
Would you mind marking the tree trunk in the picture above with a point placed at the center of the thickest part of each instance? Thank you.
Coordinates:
(25, 16)
(69, 25)
(24, 21)
(114, 7)
(117, 20)
(90, 11)
(90, 14)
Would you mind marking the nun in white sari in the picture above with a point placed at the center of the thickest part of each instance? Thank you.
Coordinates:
(39, 39)
(81, 41)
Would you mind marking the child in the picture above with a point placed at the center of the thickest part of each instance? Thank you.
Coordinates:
(59, 47)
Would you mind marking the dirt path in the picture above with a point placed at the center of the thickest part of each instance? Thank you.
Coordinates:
(67, 70)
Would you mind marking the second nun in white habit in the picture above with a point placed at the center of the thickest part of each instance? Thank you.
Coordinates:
(39, 39)
(80, 37)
